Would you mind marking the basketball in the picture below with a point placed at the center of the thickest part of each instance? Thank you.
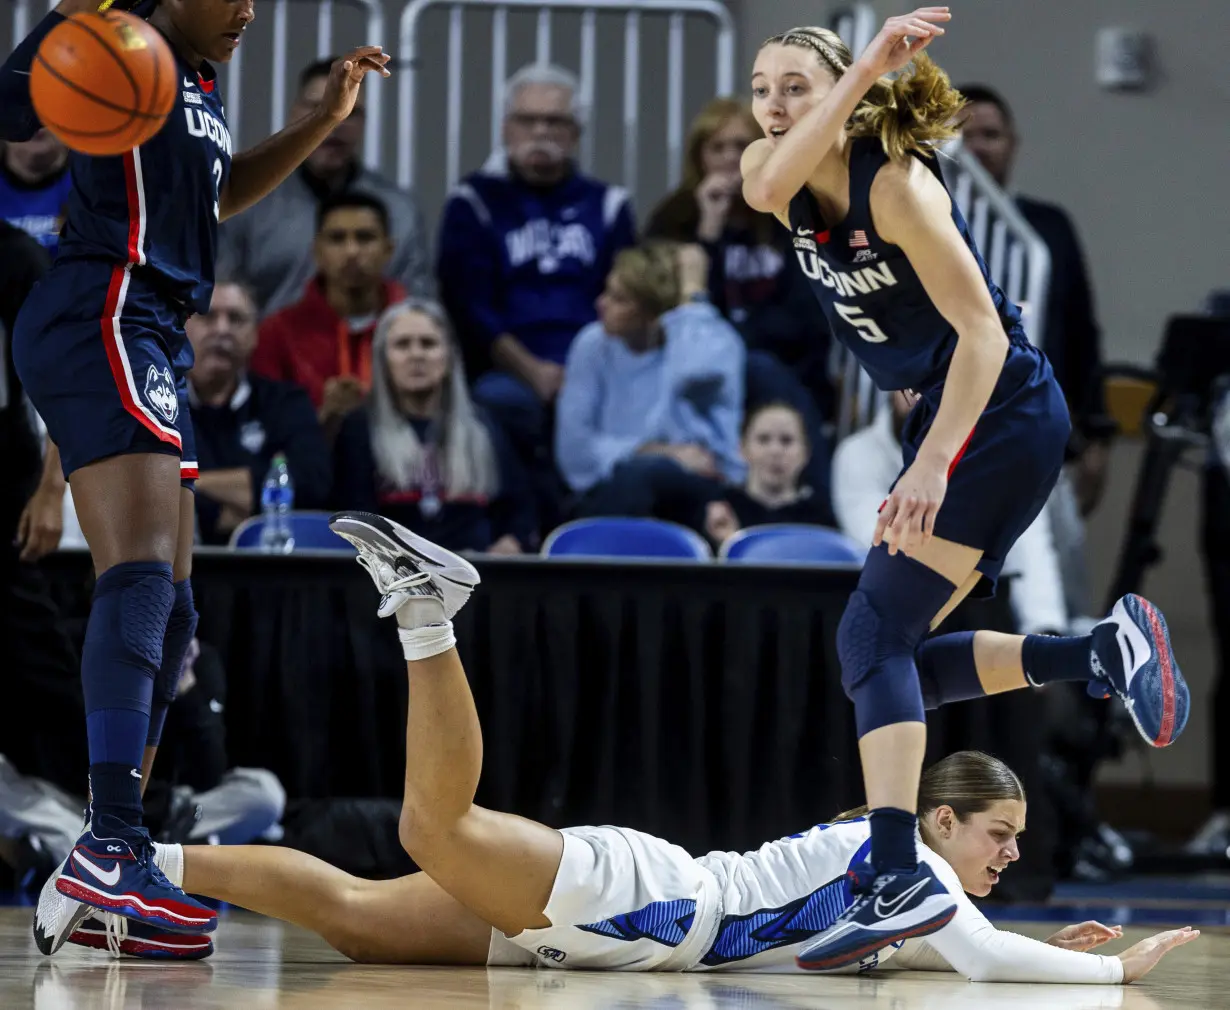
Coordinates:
(103, 83)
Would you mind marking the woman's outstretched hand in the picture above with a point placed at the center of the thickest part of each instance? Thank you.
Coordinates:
(1142, 958)
(902, 38)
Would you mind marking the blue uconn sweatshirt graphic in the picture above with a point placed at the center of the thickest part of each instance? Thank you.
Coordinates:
(529, 261)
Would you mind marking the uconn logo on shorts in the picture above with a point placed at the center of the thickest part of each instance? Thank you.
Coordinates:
(160, 392)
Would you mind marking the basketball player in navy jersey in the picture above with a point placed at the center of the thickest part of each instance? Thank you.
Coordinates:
(100, 347)
(847, 164)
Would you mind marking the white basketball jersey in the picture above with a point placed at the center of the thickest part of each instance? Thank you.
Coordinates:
(777, 898)
(627, 901)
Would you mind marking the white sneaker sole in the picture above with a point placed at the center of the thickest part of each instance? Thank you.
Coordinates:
(392, 538)
(56, 916)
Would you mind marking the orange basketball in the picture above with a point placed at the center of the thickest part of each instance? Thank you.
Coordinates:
(103, 83)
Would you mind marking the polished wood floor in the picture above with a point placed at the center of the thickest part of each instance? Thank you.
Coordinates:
(264, 964)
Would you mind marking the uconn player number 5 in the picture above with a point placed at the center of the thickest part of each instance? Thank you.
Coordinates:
(848, 284)
(867, 327)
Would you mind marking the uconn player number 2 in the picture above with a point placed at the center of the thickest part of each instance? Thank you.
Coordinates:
(217, 184)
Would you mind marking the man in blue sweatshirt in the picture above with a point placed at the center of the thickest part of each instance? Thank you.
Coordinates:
(525, 246)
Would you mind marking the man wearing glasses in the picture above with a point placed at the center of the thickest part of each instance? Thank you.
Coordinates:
(525, 246)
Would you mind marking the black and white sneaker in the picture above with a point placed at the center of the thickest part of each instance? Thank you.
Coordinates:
(407, 569)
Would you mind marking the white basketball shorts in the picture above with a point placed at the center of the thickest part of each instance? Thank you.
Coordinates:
(622, 901)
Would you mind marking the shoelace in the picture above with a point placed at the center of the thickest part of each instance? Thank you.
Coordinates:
(117, 932)
(148, 857)
(376, 568)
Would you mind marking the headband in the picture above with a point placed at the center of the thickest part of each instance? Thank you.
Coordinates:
(806, 39)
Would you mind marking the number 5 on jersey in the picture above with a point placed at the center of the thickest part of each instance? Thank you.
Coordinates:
(867, 327)
(218, 185)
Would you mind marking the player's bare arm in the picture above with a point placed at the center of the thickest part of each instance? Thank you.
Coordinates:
(41, 523)
(257, 172)
(750, 165)
(912, 210)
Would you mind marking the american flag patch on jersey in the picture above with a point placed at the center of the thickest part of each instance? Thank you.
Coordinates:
(858, 239)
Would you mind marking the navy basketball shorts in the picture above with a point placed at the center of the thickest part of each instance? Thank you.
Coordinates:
(1010, 465)
(103, 358)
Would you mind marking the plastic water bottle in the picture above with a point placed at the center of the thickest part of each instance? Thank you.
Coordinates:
(277, 500)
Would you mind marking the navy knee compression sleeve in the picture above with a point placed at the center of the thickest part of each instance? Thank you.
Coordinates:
(887, 616)
(181, 626)
(946, 669)
(122, 654)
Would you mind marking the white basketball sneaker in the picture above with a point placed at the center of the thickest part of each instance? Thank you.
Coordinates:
(419, 581)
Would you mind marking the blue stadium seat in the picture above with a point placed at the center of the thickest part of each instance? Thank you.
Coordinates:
(310, 530)
(787, 543)
(625, 538)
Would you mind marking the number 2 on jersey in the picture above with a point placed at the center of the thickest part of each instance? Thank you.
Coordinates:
(217, 184)
(867, 327)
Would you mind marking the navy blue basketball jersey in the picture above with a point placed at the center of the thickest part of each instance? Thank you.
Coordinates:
(875, 303)
(155, 207)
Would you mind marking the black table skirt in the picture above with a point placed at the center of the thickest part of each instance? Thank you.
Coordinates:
(701, 703)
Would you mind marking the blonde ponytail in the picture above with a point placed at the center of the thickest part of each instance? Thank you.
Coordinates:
(914, 112)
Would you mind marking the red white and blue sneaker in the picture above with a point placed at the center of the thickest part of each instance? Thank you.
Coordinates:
(887, 909)
(112, 868)
(125, 937)
(1131, 657)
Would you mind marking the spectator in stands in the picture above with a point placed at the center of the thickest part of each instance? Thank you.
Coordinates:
(40, 671)
(324, 341)
(1072, 335)
(236, 805)
(775, 448)
(752, 281)
(34, 183)
(652, 398)
(525, 245)
(866, 464)
(420, 452)
(270, 244)
(195, 794)
(242, 420)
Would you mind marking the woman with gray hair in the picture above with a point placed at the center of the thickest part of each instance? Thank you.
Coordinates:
(420, 450)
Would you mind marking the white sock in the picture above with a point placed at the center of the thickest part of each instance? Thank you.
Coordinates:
(423, 643)
(421, 612)
(170, 860)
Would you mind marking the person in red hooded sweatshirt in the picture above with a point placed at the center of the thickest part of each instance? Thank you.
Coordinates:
(323, 342)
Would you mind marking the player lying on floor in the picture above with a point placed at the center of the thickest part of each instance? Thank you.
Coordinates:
(502, 890)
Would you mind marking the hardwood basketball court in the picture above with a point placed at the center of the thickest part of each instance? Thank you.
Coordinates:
(261, 963)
